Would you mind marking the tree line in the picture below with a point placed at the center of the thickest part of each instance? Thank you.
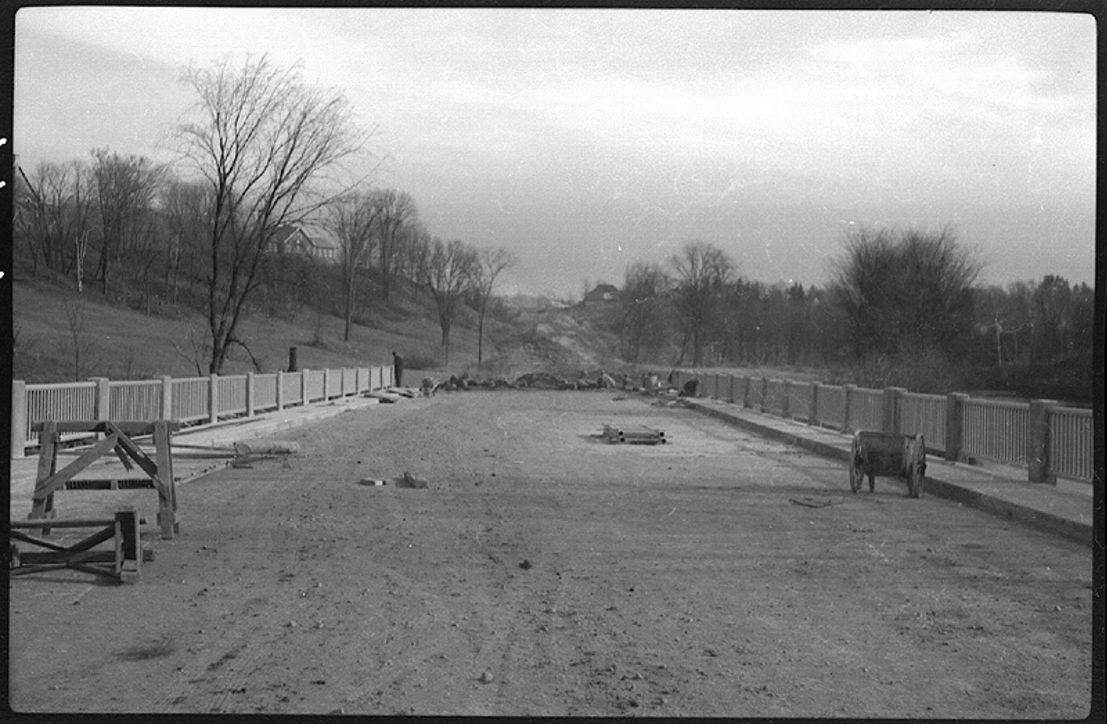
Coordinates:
(899, 307)
(261, 152)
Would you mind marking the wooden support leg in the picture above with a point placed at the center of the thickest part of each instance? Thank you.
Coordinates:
(128, 546)
(166, 486)
(47, 466)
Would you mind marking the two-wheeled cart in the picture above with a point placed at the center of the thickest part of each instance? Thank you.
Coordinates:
(887, 454)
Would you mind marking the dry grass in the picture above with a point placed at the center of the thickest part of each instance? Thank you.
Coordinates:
(124, 344)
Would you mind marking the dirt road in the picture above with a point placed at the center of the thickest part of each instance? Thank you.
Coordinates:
(545, 572)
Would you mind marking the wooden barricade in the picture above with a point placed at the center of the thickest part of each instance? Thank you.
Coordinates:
(117, 438)
(125, 562)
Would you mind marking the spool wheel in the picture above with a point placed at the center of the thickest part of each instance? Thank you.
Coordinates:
(914, 480)
(855, 475)
(918, 467)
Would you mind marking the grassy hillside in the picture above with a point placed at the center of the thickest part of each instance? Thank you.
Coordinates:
(120, 343)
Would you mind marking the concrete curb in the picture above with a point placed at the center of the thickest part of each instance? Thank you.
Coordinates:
(1078, 531)
(1009, 510)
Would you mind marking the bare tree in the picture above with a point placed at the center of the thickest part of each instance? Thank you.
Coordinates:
(445, 271)
(395, 209)
(351, 219)
(126, 187)
(264, 141)
(642, 323)
(183, 206)
(489, 263)
(702, 273)
(905, 292)
(53, 215)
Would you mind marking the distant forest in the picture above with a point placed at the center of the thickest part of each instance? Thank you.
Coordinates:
(900, 308)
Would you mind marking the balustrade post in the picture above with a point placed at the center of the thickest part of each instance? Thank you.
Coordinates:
(730, 389)
(889, 418)
(213, 398)
(786, 403)
(19, 419)
(250, 394)
(847, 403)
(326, 383)
(102, 409)
(1037, 442)
(955, 403)
(280, 389)
(764, 394)
(813, 408)
(166, 397)
(304, 386)
(745, 391)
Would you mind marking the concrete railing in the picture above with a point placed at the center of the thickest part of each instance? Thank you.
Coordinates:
(188, 400)
(1046, 439)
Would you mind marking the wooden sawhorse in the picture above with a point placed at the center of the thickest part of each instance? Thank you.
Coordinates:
(118, 439)
(125, 561)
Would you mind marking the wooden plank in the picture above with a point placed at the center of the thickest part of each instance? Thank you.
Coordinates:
(20, 536)
(55, 481)
(59, 558)
(32, 558)
(105, 534)
(62, 523)
(122, 455)
(47, 466)
(128, 427)
(134, 451)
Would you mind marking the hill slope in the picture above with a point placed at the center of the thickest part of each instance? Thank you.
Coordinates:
(117, 342)
(60, 336)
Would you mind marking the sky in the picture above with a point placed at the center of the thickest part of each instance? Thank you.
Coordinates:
(588, 139)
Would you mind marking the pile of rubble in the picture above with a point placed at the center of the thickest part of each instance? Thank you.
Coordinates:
(584, 380)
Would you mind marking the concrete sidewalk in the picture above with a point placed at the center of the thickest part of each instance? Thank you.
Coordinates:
(217, 438)
(1066, 509)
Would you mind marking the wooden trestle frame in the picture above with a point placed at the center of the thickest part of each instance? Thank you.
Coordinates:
(50, 480)
(124, 563)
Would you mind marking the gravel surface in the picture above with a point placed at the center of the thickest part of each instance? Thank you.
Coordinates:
(543, 571)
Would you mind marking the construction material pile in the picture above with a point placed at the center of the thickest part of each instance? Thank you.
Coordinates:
(633, 434)
(544, 380)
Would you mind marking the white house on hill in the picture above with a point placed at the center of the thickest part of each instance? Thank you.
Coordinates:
(293, 240)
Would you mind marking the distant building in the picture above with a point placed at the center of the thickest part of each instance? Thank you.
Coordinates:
(293, 240)
(602, 293)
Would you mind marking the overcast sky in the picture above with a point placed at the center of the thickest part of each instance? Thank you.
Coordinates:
(587, 139)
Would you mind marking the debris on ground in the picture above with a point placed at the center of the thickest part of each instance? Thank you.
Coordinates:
(246, 453)
(817, 502)
(372, 482)
(267, 447)
(544, 380)
(486, 677)
(387, 397)
(633, 434)
(407, 480)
